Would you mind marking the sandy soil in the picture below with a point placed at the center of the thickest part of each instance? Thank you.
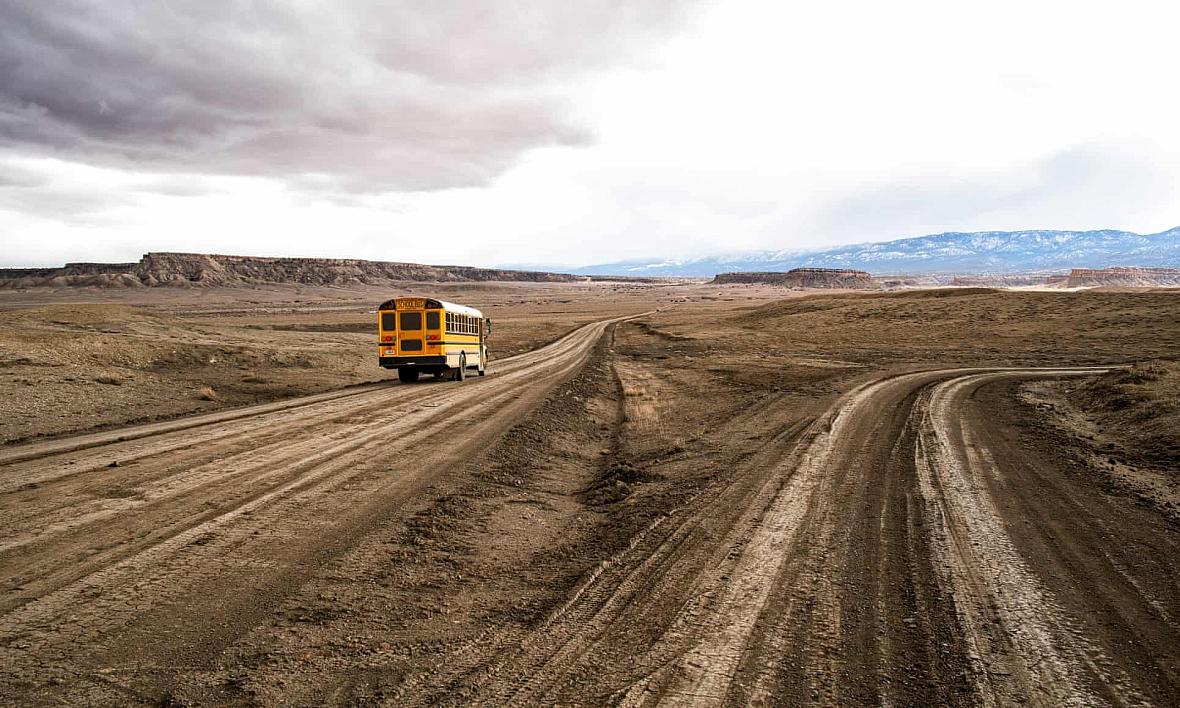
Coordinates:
(736, 498)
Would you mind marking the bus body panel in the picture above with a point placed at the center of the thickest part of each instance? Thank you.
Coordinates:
(430, 335)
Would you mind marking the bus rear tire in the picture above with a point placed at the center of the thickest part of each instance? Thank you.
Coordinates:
(461, 372)
(407, 375)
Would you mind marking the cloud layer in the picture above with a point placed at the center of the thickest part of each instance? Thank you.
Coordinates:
(502, 131)
(369, 95)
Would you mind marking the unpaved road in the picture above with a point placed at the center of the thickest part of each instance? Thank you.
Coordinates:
(904, 548)
(155, 546)
(908, 546)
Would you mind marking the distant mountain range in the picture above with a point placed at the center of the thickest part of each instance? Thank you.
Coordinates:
(993, 252)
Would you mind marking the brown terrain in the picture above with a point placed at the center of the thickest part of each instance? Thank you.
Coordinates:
(676, 493)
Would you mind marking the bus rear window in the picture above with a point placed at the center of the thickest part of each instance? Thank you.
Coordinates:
(411, 320)
(387, 321)
(432, 320)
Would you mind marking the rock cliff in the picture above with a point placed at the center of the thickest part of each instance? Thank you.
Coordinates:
(1123, 277)
(205, 270)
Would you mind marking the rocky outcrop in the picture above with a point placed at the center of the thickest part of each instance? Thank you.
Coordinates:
(205, 270)
(804, 278)
(1123, 277)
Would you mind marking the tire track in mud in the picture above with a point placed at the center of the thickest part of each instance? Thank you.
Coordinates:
(209, 552)
(31, 451)
(286, 470)
(1108, 560)
(714, 561)
(1042, 663)
(175, 464)
(245, 423)
(1025, 647)
(866, 563)
(536, 664)
(858, 557)
(1021, 645)
(793, 545)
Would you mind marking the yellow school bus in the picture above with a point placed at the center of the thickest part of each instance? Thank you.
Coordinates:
(419, 335)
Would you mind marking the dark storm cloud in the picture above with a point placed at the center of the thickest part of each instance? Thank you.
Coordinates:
(371, 95)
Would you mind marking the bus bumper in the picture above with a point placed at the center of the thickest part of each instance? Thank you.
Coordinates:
(393, 362)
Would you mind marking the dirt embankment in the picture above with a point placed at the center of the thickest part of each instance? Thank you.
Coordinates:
(1123, 428)
(207, 270)
(829, 278)
(1141, 405)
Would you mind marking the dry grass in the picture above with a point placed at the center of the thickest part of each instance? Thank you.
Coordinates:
(1140, 405)
(974, 326)
(59, 359)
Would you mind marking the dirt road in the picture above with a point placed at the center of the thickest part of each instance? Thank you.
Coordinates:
(905, 548)
(911, 545)
(154, 546)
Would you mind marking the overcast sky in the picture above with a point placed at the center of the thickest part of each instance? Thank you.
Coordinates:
(458, 131)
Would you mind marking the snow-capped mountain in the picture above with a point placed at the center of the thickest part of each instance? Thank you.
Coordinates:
(995, 252)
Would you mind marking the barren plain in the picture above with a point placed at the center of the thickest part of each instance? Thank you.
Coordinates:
(663, 493)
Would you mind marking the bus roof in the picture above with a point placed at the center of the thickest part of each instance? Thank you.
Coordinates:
(461, 309)
(433, 304)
